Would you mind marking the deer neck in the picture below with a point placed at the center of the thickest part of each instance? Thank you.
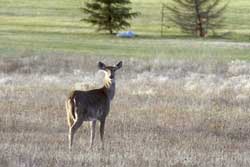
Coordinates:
(110, 91)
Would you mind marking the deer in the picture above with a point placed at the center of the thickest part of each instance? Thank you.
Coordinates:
(91, 105)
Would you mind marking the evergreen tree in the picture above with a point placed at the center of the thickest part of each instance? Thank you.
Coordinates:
(197, 16)
(108, 15)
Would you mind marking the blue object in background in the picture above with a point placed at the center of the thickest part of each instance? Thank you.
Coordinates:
(128, 34)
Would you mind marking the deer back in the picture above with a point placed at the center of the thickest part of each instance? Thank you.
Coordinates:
(92, 104)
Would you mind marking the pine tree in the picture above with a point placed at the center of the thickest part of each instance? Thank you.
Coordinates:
(197, 16)
(108, 15)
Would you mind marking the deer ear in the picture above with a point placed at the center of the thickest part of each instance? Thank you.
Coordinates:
(101, 65)
(119, 65)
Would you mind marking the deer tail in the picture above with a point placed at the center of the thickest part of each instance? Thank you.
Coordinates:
(70, 111)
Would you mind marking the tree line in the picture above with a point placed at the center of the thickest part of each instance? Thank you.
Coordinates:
(196, 17)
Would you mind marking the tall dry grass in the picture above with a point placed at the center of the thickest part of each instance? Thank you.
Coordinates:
(165, 113)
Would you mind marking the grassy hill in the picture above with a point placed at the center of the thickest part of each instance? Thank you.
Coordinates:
(29, 27)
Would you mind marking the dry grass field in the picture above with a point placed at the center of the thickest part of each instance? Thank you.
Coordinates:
(174, 113)
(180, 101)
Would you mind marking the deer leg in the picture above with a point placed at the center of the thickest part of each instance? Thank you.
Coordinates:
(69, 116)
(92, 137)
(73, 129)
(102, 124)
(70, 120)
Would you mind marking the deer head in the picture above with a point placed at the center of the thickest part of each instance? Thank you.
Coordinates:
(110, 69)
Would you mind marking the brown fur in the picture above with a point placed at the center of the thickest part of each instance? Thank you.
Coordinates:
(70, 110)
(92, 105)
(69, 104)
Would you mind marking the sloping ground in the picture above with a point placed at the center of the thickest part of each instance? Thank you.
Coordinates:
(31, 28)
(165, 113)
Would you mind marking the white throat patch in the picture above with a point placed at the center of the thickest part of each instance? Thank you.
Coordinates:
(101, 78)
(106, 78)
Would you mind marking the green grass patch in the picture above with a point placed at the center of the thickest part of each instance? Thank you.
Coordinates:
(55, 26)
